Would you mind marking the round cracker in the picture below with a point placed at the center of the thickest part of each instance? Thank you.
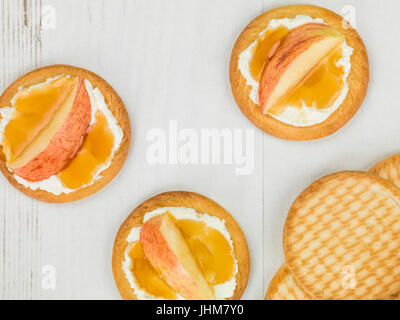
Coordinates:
(345, 222)
(284, 287)
(388, 169)
(199, 203)
(357, 81)
(113, 102)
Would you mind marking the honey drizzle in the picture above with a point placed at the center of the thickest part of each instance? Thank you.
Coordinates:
(319, 89)
(94, 152)
(34, 109)
(146, 276)
(209, 247)
(211, 250)
(262, 50)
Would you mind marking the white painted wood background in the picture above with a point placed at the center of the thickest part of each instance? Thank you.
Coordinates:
(168, 60)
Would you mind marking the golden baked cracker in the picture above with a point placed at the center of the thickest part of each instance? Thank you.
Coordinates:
(357, 81)
(199, 203)
(395, 296)
(388, 169)
(113, 102)
(284, 287)
(342, 237)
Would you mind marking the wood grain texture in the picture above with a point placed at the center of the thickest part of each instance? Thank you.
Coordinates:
(168, 60)
(19, 219)
(166, 63)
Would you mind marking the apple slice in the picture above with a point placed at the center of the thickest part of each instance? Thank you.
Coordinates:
(165, 248)
(34, 108)
(303, 49)
(56, 145)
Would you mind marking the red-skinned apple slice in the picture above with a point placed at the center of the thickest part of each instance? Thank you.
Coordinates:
(57, 144)
(34, 107)
(166, 249)
(303, 49)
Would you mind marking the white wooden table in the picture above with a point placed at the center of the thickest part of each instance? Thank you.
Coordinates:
(168, 60)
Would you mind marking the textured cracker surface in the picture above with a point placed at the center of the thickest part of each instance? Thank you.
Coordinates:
(284, 287)
(345, 220)
(389, 169)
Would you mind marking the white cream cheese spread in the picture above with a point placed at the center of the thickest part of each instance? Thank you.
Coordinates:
(307, 115)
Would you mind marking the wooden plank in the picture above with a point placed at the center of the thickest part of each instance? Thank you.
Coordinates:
(20, 51)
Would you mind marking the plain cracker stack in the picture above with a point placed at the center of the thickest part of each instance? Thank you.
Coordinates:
(345, 220)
